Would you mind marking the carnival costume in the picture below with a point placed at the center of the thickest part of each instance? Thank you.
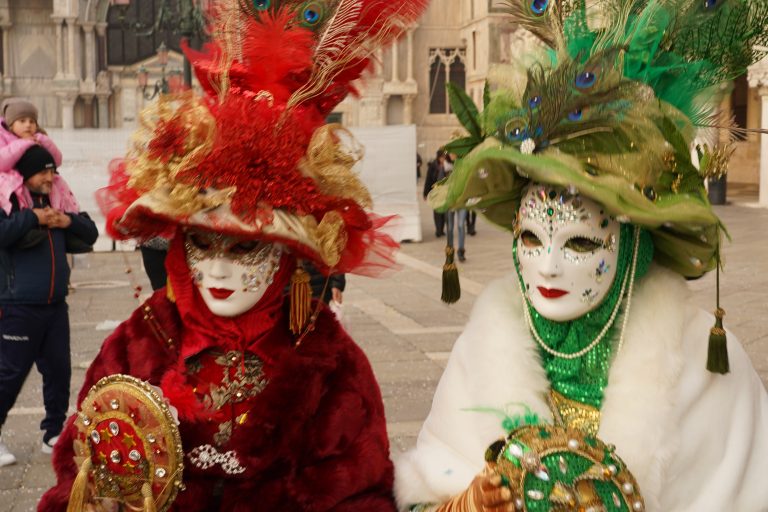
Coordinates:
(277, 408)
(595, 395)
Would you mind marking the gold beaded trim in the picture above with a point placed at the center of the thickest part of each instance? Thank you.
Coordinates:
(572, 414)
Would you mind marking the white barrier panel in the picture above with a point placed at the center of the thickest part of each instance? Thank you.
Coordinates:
(389, 171)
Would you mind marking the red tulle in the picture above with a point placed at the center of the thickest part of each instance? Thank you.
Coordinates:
(370, 252)
(115, 198)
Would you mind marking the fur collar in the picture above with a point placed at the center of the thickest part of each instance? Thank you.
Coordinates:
(495, 363)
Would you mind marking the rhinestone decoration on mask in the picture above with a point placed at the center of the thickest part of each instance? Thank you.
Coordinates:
(262, 262)
(553, 207)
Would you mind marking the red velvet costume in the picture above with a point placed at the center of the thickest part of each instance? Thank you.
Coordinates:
(309, 429)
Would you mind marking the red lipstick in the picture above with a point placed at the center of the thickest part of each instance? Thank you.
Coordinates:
(220, 293)
(551, 293)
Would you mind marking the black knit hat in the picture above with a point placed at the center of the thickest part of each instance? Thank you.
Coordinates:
(36, 159)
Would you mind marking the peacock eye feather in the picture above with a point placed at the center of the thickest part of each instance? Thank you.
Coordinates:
(515, 132)
(262, 5)
(539, 7)
(312, 14)
(585, 79)
(575, 115)
(710, 4)
(534, 102)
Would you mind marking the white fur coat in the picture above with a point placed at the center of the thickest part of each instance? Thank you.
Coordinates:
(695, 441)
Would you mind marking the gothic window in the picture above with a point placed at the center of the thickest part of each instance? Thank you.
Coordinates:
(445, 65)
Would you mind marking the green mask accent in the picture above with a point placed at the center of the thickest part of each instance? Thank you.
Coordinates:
(584, 378)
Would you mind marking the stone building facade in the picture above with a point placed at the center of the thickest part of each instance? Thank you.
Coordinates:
(77, 62)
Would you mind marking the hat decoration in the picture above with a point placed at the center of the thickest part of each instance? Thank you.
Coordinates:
(611, 110)
(127, 446)
(254, 156)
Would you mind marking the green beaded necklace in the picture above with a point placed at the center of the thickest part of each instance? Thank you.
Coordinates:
(584, 378)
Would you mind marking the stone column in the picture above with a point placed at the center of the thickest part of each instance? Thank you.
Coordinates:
(764, 147)
(408, 108)
(71, 31)
(103, 102)
(58, 47)
(395, 64)
(757, 76)
(409, 42)
(101, 46)
(90, 52)
(377, 63)
(7, 73)
(67, 111)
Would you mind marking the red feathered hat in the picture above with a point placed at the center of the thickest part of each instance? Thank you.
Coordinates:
(254, 157)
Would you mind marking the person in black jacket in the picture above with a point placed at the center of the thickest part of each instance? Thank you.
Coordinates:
(435, 172)
(34, 278)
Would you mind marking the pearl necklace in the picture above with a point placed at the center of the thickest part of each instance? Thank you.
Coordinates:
(629, 279)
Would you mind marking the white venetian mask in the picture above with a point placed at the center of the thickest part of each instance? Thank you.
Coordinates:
(231, 273)
(567, 249)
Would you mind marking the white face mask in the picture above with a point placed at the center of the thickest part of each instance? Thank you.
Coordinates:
(567, 249)
(231, 273)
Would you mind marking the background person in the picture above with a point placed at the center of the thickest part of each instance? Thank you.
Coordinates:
(34, 320)
(436, 171)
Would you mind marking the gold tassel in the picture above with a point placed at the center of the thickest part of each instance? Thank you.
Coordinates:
(717, 352)
(451, 285)
(149, 499)
(79, 488)
(301, 299)
(169, 291)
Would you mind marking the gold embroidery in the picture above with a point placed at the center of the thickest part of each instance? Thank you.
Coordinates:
(573, 414)
(242, 378)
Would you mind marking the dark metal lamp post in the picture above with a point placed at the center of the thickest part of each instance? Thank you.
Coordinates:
(165, 84)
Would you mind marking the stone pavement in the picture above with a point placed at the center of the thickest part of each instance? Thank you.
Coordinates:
(398, 320)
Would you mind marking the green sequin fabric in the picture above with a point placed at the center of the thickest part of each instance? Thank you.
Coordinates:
(584, 379)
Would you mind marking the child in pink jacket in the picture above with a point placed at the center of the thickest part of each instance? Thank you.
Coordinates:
(19, 131)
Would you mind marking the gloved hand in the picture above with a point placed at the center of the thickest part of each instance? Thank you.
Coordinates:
(486, 493)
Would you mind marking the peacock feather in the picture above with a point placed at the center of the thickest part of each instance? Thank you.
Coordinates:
(345, 35)
(681, 49)
(613, 109)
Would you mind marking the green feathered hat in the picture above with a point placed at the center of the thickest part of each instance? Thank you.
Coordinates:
(612, 110)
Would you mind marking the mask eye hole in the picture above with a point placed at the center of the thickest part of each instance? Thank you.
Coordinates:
(530, 240)
(244, 247)
(583, 244)
(200, 241)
